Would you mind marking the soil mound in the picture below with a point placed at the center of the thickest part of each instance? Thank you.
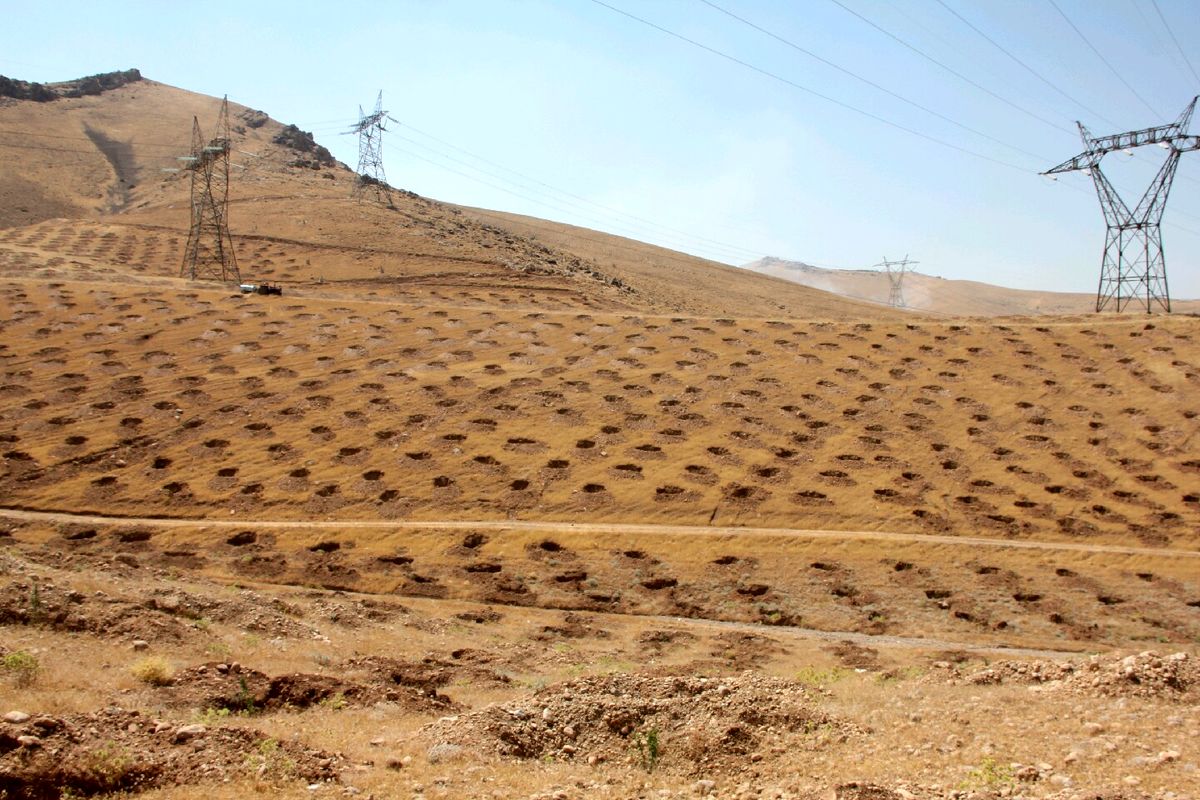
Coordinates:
(1146, 674)
(241, 689)
(48, 606)
(121, 751)
(430, 673)
(163, 616)
(682, 723)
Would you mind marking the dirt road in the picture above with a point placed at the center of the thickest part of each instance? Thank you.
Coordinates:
(592, 528)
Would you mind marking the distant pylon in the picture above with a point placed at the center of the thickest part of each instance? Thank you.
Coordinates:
(896, 271)
(209, 253)
(371, 182)
(1133, 269)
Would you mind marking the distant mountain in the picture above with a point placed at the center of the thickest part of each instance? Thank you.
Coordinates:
(931, 294)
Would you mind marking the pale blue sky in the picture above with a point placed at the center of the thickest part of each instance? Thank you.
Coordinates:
(587, 116)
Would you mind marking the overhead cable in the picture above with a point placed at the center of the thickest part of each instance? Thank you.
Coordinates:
(811, 91)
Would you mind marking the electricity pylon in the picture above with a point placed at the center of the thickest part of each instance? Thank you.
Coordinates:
(371, 182)
(1133, 269)
(896, 271)
(209, 253)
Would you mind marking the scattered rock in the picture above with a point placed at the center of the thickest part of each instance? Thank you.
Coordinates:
(1146, 674)
(188, 732)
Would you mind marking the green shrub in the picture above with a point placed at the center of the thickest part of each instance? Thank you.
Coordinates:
(814, 676)
(21, 667)
(990, 774)
(648, 748)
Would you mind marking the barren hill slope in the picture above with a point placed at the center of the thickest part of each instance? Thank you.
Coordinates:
(101, 157)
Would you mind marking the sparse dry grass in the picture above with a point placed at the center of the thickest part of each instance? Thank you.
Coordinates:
(153, 670)
(920, 730)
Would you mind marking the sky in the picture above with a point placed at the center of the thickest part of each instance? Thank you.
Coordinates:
(834, 132)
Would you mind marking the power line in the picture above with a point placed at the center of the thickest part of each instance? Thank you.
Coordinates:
(68, 150)
(556, 203)
(1023, 65)
(1171, 32)
(813, 92)
(40, 135)
(1100, 56)
(537, 201)
(953, 71)
(1160, 45)
(867, 81)
(609, 209)
(1030, 69)
(734, 252)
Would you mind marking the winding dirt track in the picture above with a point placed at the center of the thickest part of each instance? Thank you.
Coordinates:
(876, 640)
(594, 528)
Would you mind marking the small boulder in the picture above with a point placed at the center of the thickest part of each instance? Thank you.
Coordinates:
(188, 732)
(16, 717)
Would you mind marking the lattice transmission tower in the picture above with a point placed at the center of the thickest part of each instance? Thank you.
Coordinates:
(1133, 269)
(209, 253)
(896, 270)
(372, 183)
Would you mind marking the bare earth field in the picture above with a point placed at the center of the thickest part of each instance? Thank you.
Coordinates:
(485, 506)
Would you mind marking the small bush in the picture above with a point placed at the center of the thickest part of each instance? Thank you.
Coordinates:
(648, 748)
(21, 667)
(211, 716)
(108, 767)
(990, 774)
(154, 670)
(814, 676)
(271, 762)
(335, 702)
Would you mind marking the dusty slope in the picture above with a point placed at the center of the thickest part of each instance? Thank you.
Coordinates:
(1030, 430)
(686, 283)
(929, 294)
(487, 701)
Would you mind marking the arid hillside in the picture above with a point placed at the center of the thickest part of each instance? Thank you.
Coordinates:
(488, 506)
(101, 158)
(933, 295)
(1071, 429)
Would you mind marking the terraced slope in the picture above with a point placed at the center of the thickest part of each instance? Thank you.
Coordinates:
(154, 400)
